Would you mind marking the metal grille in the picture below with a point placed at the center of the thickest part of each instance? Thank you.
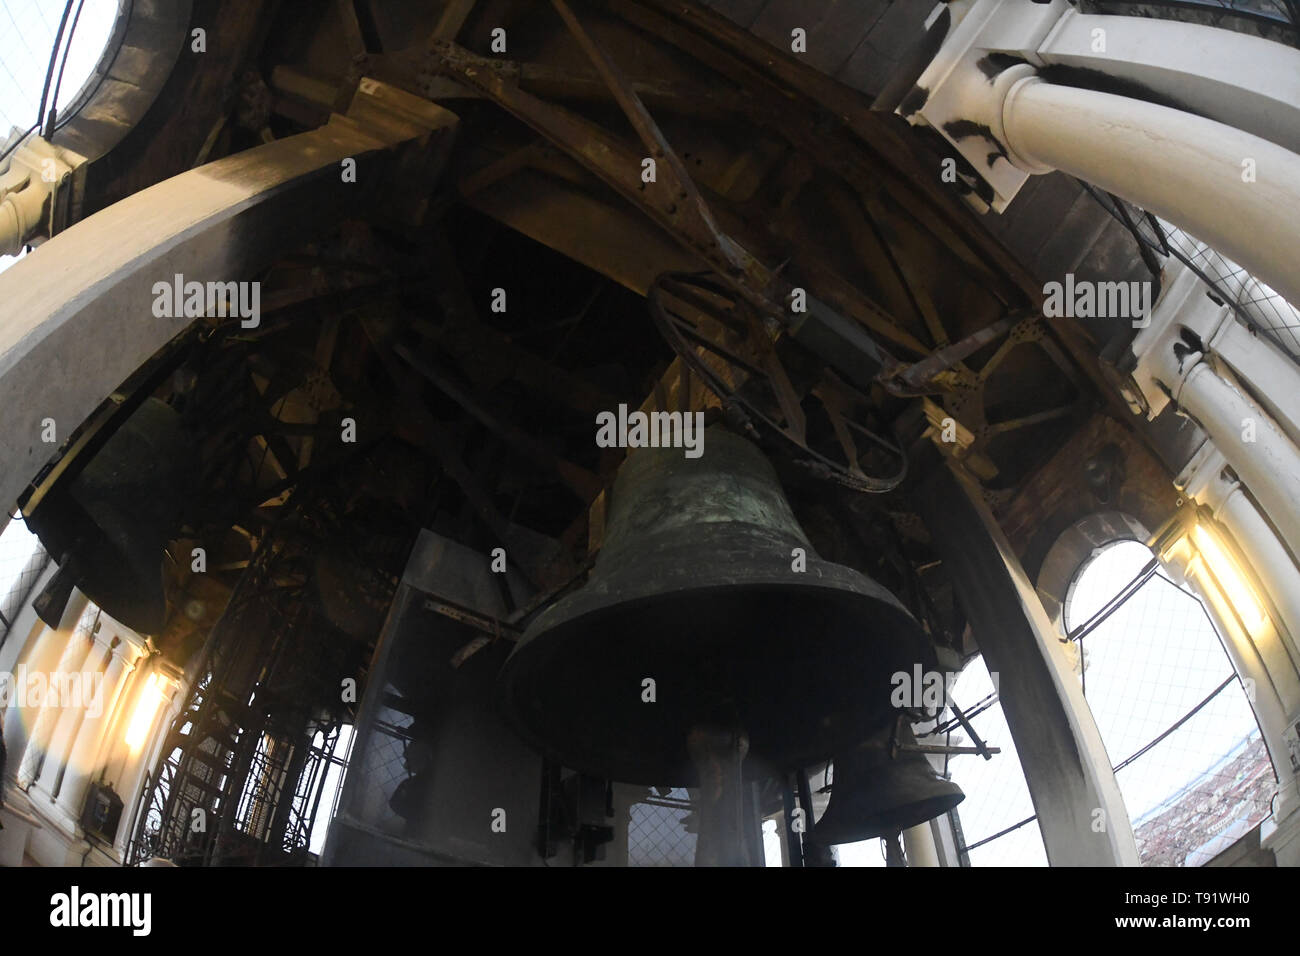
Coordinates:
(998, 827)
(327, 762)
(657, 833)
(381, 767)
(165, 827)
(1275, 19)
(1259, 306)
(1169, 707)
(1255, 304)
(22, 560)
(266, 776)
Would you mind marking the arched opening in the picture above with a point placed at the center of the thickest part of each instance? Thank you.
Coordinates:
(25, 53)
(1175, 718)
(1173, 714)
(35, 69)
(22, 559)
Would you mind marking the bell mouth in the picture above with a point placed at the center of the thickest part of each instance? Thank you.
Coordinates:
(802, 663)
(831, 830)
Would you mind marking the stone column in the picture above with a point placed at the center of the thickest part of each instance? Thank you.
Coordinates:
(83, 761)
(918, 842)
(45, 717)
(41, 658)
(83, 655)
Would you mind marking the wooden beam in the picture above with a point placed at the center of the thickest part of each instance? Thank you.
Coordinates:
(788, 96)
(579, 480)
(453, 17)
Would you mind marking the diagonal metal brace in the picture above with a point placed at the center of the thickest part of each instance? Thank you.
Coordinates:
(672, 201)
(669, 165)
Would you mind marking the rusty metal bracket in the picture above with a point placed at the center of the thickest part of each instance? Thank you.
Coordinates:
(731, 353)
(917, 379)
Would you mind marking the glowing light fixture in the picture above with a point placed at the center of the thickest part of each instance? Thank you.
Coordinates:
(146, 708)
(1230, 579)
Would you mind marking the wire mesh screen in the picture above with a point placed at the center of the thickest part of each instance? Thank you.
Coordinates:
(1277, 9)
(22, 559)
(657, 833)
(1176, 722)
(1259, 305)
(380, 769)
(1174, 718)
(28, 29)
(1275, 19)
(997, 816)
(1207, 816)
(1255, 304)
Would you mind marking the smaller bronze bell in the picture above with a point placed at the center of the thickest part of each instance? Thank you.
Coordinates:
(874, 795)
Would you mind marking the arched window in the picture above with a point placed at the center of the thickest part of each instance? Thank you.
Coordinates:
(996, 820)
(27, 32)
(1174, 717)
(28, 29)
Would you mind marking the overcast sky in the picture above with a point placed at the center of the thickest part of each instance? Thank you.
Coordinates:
(27, 30)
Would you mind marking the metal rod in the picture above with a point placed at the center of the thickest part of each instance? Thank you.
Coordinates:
(984, 751)
(718, 752)
(990, 839)
(793, 839)
(1114, 604)
(814, 854)
(49, 71)
(54, 99)
(980, 747)
(1178, 723)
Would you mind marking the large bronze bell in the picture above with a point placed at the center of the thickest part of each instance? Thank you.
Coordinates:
(876, 795)
(695, 589)
(108, 526)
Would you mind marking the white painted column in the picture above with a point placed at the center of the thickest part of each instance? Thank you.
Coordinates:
(1269, 466)
(1275, 663)
(945, 841)
(1250, 645)
(72, 652)
(1170, 367)
(42, 657)
(1266, 370)
(89, 662)
(83, 761)
(1177, 165)
(1207, 480)
(918, 844)
(81, 656)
